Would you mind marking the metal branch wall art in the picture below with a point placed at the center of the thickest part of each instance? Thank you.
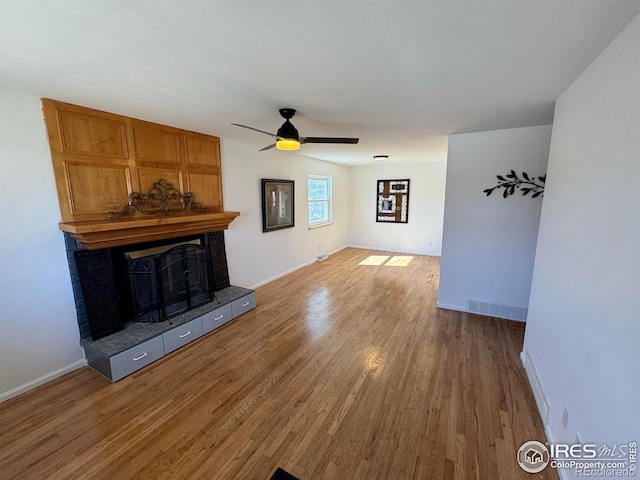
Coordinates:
(162, 199)
(512, 182)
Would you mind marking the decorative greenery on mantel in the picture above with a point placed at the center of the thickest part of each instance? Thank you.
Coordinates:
(512, 182)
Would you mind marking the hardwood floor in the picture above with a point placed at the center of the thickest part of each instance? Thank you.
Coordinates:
(342, 371)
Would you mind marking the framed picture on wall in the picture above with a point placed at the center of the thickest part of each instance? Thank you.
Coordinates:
(392, 201)
(277, 204)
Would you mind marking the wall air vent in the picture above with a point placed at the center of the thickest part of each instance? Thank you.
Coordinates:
(500, 310)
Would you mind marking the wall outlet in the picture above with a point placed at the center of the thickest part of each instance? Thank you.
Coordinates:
(321, 257)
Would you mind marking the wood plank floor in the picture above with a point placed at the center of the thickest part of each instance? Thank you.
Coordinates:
(342, 371)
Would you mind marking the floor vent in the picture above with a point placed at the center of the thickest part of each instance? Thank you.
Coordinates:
(500, 310)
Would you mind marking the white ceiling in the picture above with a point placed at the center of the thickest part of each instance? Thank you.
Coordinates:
(401, 75)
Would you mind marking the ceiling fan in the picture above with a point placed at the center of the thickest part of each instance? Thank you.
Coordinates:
(287, 137)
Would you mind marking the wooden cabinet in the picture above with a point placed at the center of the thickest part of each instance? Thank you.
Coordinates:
(99, 158)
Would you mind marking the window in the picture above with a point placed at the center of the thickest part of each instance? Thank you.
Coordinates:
(319, 194)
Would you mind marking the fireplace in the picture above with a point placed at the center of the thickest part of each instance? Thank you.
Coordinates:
(126, 185)
(166, 281)
(147, 282)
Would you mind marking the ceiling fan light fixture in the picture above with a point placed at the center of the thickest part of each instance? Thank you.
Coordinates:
(288, 131)
(288, 137)
(287, 144)
(380, 158)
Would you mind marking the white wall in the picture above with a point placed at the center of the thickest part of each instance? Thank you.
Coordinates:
(255, 257)
(489, 242)
(583, 332)
(39, 336)
(423, 233)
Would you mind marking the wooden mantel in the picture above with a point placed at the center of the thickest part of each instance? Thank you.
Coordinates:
(101, 159)
(109, 233)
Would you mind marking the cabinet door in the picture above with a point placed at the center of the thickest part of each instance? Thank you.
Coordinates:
(97, 188)
(216, 318)
(135, 358)
(90, 155)
(182, 335)
(204, 177)
(155, 145)
(88, 133)
(243, 305)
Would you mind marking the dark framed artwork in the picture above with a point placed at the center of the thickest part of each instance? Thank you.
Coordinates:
(393, 201)
(277, 204)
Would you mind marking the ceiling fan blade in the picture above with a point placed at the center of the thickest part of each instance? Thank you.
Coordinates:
(255, 130)
(267, 148)
(352, 141)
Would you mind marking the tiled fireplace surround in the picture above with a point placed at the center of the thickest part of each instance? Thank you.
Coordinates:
(219, 261)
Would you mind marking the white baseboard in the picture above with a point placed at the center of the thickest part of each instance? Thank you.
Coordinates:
(542, 401)
(428, 253)
(283, 274)
(291, 270)
(337, 250)
(14, 392)
(446, 306)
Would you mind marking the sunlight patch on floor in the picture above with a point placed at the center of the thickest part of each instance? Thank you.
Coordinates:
(374, 260)
(398, 261)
